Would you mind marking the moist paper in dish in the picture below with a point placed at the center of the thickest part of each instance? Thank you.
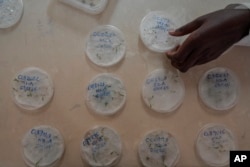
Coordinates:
(32, 88)
(10, 12)
(159, 149)
(88, 6)
(101, 147)
(105, 46)
(219, 89)
(106, 94)
(163, 90)
(42, 146)
(214, 143)
(154, 30)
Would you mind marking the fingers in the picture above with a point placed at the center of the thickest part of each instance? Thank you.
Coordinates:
(186, 29)
(172, 52)
(182, 53)
(209, 58)
(190, 62)
(198, 57)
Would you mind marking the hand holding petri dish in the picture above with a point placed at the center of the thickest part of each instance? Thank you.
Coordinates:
(154, 29)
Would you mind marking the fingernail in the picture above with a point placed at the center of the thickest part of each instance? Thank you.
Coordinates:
(171, 30)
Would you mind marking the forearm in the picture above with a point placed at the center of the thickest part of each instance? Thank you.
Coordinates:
(246, 40)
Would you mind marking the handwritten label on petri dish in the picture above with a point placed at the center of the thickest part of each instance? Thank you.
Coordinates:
(44, 138)
(158, 83)
(220, 80)
(28, 83)
(95, 140)
(157, 144)
(105, 46)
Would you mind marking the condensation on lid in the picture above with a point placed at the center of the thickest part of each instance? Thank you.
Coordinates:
(32, 88)
(163, 90)
(42, 146)
(219, 89)
(10, 12)
(154, 30)
(105, 46)
(159, 149)
(106, 94)
(213, 144)
(101, 147)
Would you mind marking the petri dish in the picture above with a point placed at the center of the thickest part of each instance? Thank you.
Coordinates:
(163, 90)
(219, 89)
(32, 88)
(106, 94)
(159, 149)
(101, 147)
(105, 46)
(154, 29)
(10, 12)
(89, 6)
(42, 146)
(214, 143)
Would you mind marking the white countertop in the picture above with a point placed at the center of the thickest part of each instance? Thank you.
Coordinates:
(52, 35)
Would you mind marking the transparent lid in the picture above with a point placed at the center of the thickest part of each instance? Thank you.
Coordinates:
(159, 149)
(214, 143)
(106, 94)
(163, 90)
(42, 146)
(10, 12)
(88, 6)
(219, 89)
(154, 30)
(32, 88)
(101, 147)
(105, 46)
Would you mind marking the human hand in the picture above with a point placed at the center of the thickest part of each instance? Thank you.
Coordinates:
(211, 35)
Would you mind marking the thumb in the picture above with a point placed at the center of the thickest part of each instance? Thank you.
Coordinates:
(186, 29)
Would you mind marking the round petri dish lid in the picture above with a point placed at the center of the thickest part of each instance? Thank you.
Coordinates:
(101, 147)
(106, 94)
(10, 12)
(89, 6)
(105, 46)
(154, 30)
(163, 90)
(219, 89)
(158, 149)
(214, 143)
(42, 146)
(32, 88)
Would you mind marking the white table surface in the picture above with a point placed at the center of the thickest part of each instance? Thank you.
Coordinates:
(52, 35)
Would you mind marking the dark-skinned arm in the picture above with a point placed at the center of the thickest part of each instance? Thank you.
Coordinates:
(210, 36)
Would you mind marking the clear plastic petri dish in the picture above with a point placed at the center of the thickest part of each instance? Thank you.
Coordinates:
(154, 30)
(214, 143)
(42, 146)
(105, 46)
(106, 94)
(89, 6)
(10, 12)
(101, 147)
(32, 88)
(163, 90)
(159, 149)
(219, 89)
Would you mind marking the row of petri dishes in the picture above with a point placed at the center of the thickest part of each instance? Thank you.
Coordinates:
(102, 146)
(162, 90)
